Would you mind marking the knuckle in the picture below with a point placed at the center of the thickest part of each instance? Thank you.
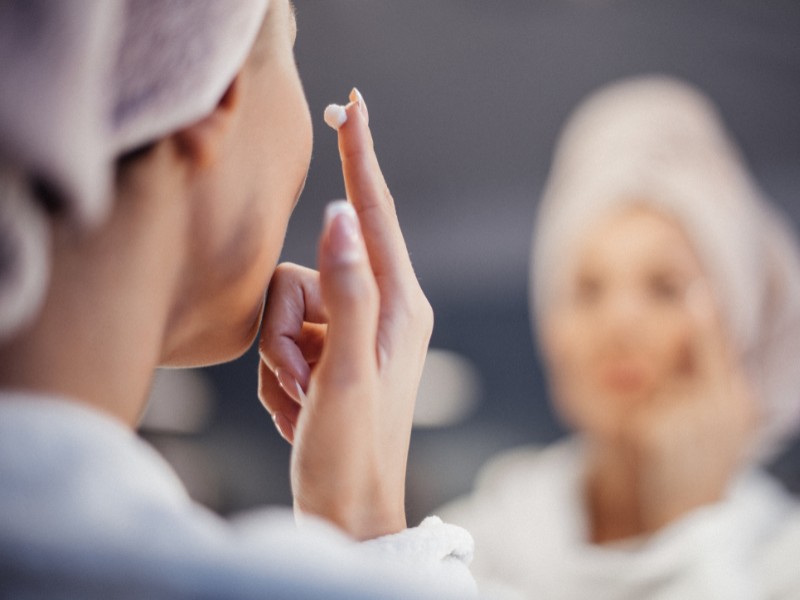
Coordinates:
(379, 208)
(427, 317)
(387, 195)
(282, 272)
(415, 310)
(287, 274)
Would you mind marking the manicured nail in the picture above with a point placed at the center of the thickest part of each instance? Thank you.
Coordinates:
(355, 96)
(335, 116)
(288, 384)
(284, 427)
(343, 231)
(301, 394)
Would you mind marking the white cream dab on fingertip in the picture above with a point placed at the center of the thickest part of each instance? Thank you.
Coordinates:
(335, 116)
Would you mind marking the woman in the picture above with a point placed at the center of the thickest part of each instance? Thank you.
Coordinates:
(666, 296)
(151, 155)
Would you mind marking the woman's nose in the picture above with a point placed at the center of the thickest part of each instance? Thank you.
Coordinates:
(624, 316)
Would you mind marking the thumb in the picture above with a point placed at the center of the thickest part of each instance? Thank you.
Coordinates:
(351, 299)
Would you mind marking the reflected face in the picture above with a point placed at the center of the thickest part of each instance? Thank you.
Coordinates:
(243, 207)
(620, 326)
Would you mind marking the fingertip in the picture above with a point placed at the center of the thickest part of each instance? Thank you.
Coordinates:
(358, 100)
(335, 116)
(301, 394)
(274, 398)
(355, 138)
(284, 427)
(289, 384)
(356, 114)
(342, 241)
(336, 208)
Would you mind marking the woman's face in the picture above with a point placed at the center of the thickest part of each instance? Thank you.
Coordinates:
(619, 327)
(243, 209)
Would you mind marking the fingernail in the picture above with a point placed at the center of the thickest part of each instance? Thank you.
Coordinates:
(284, 427)
(343, 232)
(355, 96)
(289, 384)
(301, 394)
(335, 116)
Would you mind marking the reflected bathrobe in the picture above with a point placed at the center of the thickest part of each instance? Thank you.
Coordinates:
(89, 510)
(527, 518)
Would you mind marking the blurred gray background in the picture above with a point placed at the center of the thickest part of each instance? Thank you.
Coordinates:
(466, 99)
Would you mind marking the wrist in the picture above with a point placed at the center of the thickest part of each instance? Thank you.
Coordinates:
(360, 520)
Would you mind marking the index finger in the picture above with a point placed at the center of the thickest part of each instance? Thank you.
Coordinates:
(367, 190)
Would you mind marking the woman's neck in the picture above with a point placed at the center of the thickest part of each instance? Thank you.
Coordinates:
(99, 335)
(612, 494)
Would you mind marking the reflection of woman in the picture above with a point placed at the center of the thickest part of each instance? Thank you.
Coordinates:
(150, 157)
(667, 302)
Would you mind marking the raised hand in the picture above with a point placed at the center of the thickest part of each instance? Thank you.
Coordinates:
(342, 352)
(690, 441)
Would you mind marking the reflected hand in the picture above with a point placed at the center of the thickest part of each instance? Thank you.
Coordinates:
(687, 444)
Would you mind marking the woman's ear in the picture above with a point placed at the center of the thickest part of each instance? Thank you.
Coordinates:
(201, 141)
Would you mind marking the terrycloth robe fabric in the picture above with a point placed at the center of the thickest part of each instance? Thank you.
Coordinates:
(527, 517)
(89, 510)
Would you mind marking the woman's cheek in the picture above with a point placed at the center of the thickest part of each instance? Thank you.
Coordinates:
(675, 351)
(569, 363)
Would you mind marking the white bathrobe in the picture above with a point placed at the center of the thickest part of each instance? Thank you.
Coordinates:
(528, 521)
(88, 510)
